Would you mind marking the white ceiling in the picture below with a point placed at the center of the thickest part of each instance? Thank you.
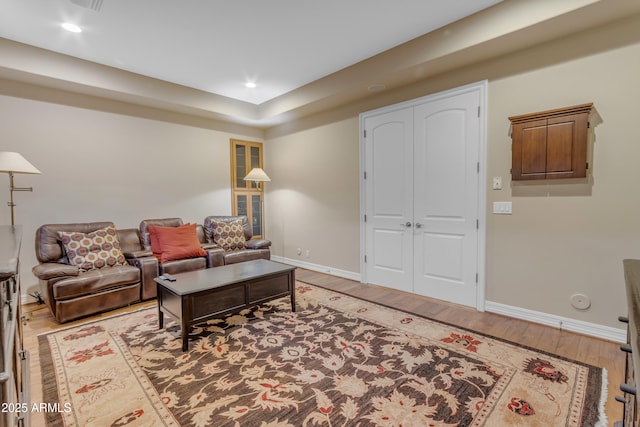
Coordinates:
(218, 45)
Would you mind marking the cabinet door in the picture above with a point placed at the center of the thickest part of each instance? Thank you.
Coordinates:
(529, 150)
(566, 146)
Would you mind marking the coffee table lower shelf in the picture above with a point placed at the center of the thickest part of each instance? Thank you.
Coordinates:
(198, 296)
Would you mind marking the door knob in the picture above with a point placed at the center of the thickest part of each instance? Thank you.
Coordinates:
(407, 224)
(418, 225)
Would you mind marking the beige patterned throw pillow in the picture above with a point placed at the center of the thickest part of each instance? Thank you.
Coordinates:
(90, 251)
(229, 235)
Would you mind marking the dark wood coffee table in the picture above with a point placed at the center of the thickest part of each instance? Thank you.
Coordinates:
(197, 296)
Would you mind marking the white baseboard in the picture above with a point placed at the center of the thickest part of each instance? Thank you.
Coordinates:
(316, 267)
(27, 299)
(573, 325)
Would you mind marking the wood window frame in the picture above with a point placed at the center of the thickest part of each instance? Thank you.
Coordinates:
(251, 192)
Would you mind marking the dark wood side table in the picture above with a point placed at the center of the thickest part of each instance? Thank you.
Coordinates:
(197, 296)
(15, 390)
(631, 417)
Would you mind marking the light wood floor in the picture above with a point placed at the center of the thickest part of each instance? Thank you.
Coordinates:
(589, 350)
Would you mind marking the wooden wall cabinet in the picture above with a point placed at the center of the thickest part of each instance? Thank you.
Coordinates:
(550, 144)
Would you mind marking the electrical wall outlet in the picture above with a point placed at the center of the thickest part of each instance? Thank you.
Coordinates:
(497, 183)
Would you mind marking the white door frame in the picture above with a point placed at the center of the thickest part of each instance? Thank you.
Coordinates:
(482, 87)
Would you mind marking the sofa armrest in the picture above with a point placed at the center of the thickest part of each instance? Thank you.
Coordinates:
(215, 256)
(49, 270)
(257, 244)
(149, 270)
(138, 254)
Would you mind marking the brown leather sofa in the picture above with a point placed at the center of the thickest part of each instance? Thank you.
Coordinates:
(254, 249)
(71, 293)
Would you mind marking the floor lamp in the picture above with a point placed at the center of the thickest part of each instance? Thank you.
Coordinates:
(257, 175)
(13, 163)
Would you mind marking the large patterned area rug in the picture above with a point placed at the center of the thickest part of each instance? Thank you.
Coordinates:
(336, 361)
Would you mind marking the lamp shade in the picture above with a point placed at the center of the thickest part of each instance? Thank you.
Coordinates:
(257, 174)
(14, 162)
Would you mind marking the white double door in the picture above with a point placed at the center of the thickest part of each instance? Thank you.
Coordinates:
(421, 194)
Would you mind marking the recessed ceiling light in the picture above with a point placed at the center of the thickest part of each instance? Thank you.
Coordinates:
(250, 85)
(73, 28)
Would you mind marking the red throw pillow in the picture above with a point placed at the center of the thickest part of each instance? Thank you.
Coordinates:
(153, 236)
(176, 242)
(153, 239)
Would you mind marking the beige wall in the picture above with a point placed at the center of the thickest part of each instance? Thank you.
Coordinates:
(109, 161)
(313, 197)
(562, 239)
(101, 166)
(566, 238)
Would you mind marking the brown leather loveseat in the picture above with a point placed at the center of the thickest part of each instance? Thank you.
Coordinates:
(71, 291)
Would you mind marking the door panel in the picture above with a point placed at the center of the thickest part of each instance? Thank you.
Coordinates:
(388, 154)
(446, 198)
(560, 137)
(386, 254)
(533, 147)
(443, 256)
(389, 199)
(441, 159)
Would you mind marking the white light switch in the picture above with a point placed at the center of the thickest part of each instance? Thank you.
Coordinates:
(502, 208)
(497, 183)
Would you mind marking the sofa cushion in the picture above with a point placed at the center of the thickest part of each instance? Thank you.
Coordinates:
(183, 265)
(94, 250)
(229, 235)
(243, 256)
(95, 281)
(172, 243)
